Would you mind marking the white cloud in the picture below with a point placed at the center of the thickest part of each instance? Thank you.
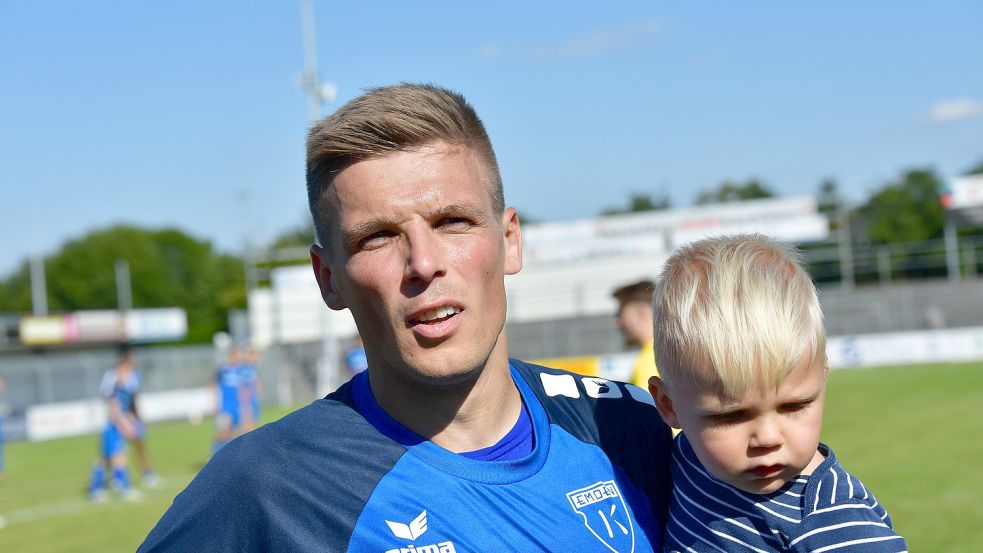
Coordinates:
(958, 109)
(597, 43)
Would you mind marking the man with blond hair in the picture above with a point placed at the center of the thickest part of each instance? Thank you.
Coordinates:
(742, 354)
(443, 444)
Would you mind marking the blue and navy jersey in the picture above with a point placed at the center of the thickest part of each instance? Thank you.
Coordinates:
(829, 510)
(250, 376)
(123, 390)
(229, 380)
(325, 479)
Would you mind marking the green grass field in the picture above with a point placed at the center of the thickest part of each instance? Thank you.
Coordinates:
(912, 434)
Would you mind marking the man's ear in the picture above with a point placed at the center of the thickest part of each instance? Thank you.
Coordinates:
(322, 272)
(513, 241)
(663, 402)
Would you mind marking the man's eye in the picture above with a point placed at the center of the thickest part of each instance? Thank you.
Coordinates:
(456, 222)
(375, 239)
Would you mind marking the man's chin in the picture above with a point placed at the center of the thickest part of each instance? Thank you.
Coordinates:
(442, 365)
(444, 376)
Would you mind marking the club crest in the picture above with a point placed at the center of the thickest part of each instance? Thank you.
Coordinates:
(605, 515)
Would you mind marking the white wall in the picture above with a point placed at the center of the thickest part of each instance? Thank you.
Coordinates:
(59, 420)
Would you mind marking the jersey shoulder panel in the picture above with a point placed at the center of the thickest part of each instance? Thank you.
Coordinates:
(619, 418)
(296, 484)
(594, 409)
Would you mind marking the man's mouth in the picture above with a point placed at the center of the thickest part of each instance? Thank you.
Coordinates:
(435, 315)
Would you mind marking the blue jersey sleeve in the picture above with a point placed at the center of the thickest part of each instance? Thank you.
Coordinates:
(297, 484)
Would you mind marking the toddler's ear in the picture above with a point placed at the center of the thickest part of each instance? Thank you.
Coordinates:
(663, 402)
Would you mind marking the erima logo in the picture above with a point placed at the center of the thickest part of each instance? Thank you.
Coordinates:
(416, 528)
(443, 547)
(410, 531)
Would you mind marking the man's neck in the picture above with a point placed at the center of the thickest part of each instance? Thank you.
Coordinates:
(466, 416)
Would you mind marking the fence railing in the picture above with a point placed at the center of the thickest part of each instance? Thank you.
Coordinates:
(830, 264)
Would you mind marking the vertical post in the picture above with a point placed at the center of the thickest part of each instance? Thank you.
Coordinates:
(124, 295)
(39, 287)
(249, 270)
(328, 372)
(970, 259)
(884, 265)
(845, 246)
(578, 298)
(248, 260)
(317, 92)
(951, 247)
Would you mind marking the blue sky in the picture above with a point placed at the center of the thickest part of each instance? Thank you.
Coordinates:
(168, 113)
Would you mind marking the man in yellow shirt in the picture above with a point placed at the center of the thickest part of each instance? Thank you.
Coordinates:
(634, 319)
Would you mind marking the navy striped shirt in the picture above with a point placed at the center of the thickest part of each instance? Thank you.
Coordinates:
(829, 510)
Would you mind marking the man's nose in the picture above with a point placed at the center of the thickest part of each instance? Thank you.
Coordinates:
(425, 256)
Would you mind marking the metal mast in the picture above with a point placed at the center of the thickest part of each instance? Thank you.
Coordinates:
(317, 92)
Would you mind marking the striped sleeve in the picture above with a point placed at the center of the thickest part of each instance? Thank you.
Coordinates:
(843, 516)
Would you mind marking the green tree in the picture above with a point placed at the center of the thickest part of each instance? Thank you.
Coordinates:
(15, 290)
(301, 236)
(527, 219)
(906, 210)
(168, 268)
(640, 201)
(735, 192)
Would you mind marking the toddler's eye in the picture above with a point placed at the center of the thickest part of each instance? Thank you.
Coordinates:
(795, 408)
(728, 417)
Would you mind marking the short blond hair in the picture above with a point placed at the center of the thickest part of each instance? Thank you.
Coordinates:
(735, 313)
(387, 120)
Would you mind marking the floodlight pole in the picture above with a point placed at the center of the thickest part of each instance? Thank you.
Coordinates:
(317, 94)
(951, 246)
(39, 288)
(124, 296)
(124, 293)
(845, 245)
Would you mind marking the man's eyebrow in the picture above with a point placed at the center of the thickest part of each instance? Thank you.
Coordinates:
(367, 226)
(458, 209)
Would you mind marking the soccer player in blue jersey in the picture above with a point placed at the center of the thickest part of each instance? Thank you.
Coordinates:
(740, 345)
(252, 389)
(132, 381)
(119, 388)
(443, 444)
(230, 394)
